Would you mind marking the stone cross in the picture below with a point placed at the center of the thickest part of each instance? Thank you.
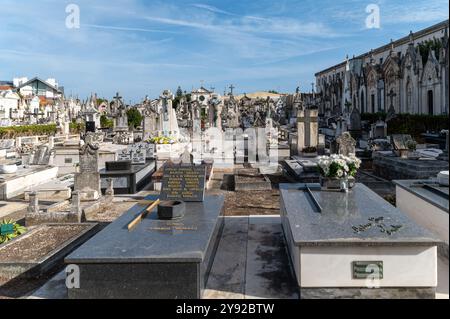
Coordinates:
(307, 129)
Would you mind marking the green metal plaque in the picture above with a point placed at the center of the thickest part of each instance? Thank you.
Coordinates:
(366, 269)
(6, 229)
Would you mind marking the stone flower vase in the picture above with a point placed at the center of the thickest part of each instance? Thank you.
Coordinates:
(335, 183)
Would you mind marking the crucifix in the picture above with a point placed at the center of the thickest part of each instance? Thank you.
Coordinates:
(116, 101)
(231, 89)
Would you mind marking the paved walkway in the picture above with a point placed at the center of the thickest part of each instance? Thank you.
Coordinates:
(251, 261)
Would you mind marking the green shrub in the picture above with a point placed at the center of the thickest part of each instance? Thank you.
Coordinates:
(106, 122)
(413, 124)
(134, 118)
(27, 130)
(76, 128)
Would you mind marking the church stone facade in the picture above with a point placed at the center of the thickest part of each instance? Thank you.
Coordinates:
(397, 75)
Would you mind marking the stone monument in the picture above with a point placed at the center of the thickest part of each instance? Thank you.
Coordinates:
(346, 144)
(87, 181)
(307, 129)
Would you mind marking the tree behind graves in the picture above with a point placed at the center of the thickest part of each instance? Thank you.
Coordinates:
(106, 122)
(134, 118)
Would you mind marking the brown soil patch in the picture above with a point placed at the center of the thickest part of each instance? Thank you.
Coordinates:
(32, 247)
(111, 212)
(252, 203)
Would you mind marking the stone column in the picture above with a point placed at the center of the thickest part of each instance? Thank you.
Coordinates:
(75, 207)
(33, 207)
(110, 187)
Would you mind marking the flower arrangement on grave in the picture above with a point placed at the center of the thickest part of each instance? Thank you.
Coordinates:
(338, 166)
(163, 140)
(337, 170)
(10, 230)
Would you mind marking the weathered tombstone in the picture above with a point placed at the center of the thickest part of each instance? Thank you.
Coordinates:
(402, 144)
(444, 155)
(138, 153)
(150, 123)
(355, 123)
(184, 183)
(33, 207)
(75, 208)
(124, 155)
(110, 187)
(93, 138)
(346, 144)
(87, 181)
(150, 150)
(307, 129)
(321, 145)
(187, 157)
(379, 130)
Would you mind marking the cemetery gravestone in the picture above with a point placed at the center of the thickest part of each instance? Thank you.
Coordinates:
(87, 181)
(185, 183)
(346, 144)
(402, 143)
(307, 129)
(138, 153)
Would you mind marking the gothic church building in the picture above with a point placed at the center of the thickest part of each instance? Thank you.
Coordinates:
(409, 75)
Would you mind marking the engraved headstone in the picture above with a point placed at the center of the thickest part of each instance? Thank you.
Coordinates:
(185, 183)
(124, 155)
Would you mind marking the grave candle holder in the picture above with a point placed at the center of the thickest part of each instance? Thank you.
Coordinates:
(172, 209)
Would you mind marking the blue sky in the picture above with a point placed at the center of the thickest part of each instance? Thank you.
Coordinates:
(142, 47)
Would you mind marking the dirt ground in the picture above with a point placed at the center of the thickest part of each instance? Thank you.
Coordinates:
(252, 203)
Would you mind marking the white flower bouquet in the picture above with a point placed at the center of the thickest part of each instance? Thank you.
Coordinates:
(338, 166)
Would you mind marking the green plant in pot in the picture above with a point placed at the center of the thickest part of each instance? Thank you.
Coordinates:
(10, 230)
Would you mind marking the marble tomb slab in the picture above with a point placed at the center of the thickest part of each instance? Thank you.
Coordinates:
(157, 259)
(323, 244)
